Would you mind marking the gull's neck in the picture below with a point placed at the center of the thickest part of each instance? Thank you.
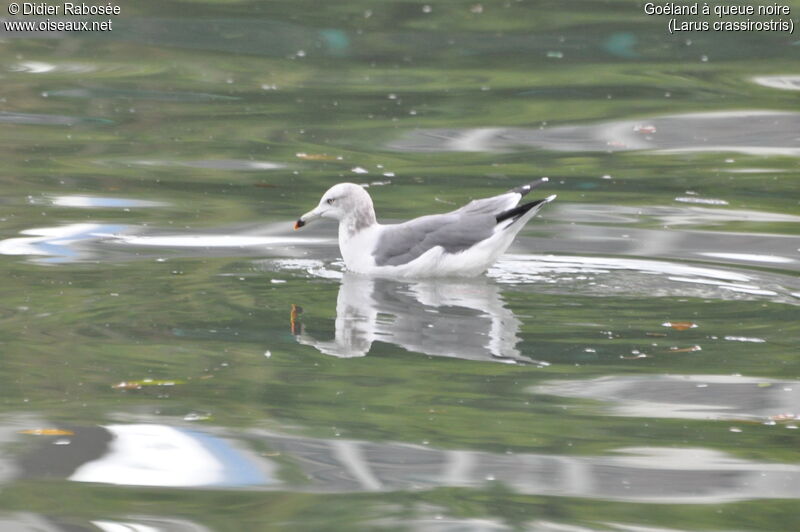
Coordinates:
(356, 221)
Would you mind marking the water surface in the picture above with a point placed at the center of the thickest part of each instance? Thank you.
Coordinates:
(176, 358)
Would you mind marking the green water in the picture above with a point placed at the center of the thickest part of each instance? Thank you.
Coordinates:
(191, 363)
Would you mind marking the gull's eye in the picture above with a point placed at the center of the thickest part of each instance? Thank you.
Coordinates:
(331, 200)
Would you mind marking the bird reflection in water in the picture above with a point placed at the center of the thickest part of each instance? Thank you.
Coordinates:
(449, 318)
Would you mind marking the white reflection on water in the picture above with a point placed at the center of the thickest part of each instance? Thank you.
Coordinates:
(464, 319)
(163, 455)
(158, 455)
(214, 241)
(701, 201)
(32, 67)
(663, 214)
(41, 119)
(81, 242)
(748, 131)
(602, 276)
(784, 82)
(685, 396)
(752, 257)
(216, 164)
(147, 523)
(66, 243)
(518, 268)
(98, 201)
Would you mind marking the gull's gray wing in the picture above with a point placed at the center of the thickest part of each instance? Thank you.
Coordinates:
(455, 231)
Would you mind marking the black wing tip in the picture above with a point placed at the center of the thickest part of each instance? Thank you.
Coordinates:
(517, 212)
(524, 189)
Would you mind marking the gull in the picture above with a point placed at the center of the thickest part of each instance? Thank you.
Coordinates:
(462, 243)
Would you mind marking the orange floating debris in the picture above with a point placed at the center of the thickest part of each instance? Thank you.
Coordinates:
(294, 319)
(680, 325)
(48, 432)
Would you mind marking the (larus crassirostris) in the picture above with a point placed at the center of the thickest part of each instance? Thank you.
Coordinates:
(464, 242)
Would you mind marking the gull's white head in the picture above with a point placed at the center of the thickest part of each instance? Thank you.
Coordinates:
(344, 202)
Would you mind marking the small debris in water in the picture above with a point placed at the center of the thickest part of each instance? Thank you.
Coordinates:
(735, 429)
(268, 353)
(555, 54)
(675, 349)
(440, 200)
(680, 325)
(645, 130)
(636, 355)
(315, 156)
(359, 170)
(62, 441)
(139, 384)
